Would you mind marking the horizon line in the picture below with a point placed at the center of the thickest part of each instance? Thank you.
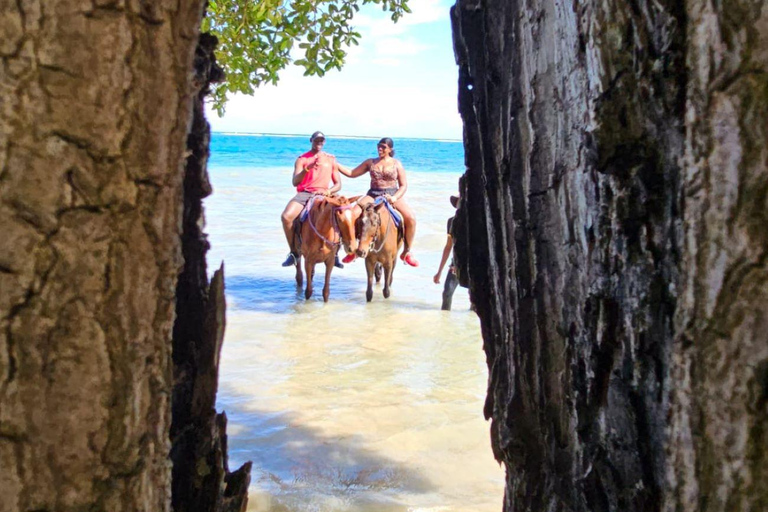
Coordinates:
(330, 135)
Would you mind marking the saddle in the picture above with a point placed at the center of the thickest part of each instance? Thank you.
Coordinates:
(303, 217)
(395, 214)
(307, 208)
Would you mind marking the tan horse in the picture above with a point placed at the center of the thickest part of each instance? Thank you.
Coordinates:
(379, 242)
(320, 237)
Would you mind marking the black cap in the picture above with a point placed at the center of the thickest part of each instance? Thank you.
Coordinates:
(316, 135)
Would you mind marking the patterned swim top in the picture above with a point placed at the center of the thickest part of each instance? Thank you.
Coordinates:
(383, 176)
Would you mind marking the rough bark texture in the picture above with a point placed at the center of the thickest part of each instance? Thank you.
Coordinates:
(201, 478)
(95, 103)
(614, 240)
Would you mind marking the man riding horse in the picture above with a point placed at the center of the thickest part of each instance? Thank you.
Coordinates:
(313, 172)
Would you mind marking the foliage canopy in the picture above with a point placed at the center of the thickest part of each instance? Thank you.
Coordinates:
(257, 38)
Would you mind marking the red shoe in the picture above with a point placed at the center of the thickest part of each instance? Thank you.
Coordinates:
(410, 260)
(349, 258)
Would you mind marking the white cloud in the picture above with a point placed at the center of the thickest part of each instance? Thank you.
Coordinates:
(387, 61)
(406, 46)
(425, 11)
(392, 84)
(341, 107)
(422, 11)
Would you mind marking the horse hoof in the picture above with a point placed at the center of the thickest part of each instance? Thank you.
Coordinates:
(386, 293)
(368, 296)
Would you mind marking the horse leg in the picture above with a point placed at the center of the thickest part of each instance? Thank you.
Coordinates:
(369, 269)
(327, 287)
(309, 269)
(389, 271)
(299, 274)
(377, 272)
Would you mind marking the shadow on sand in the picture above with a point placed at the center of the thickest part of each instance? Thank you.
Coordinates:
(297, 468)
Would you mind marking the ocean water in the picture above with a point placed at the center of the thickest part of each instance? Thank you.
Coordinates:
(346, 405)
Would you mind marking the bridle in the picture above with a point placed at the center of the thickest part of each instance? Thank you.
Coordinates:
(335, 224)
(335, 220)
(376, 235)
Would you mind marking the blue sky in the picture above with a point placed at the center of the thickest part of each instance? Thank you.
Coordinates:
(400, 82)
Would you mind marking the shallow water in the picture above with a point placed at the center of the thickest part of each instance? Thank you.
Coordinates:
(347, 406)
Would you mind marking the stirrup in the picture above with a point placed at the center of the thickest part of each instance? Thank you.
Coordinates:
(408, 259)
(291, 260)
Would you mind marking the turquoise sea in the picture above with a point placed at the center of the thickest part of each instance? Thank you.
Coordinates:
(346, 406)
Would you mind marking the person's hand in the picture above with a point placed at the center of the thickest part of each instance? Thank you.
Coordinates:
(389, 198)
(436, 279)
(327, 193)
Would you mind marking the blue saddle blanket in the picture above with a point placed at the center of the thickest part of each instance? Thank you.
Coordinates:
(395, 214)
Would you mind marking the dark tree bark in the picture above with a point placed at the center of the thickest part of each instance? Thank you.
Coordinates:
(201, 478)
(613, 239)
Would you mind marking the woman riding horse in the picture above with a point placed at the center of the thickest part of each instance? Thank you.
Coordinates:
(387, 180)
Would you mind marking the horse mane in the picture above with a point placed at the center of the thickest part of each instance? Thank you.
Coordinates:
(337, 200)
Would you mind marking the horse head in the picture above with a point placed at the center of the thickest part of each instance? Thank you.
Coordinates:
(344, 211)
(368, 226)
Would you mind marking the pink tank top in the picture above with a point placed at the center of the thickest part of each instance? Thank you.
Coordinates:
(318, 177)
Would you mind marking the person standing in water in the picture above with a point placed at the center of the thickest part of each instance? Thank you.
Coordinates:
(315, 172)
(451, 281)
(388, 180)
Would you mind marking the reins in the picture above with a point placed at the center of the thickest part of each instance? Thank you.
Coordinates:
(386, 233)
(334, 225)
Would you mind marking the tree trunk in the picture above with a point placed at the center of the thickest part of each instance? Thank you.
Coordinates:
(613, 238)
(201, 478)
(96, 103)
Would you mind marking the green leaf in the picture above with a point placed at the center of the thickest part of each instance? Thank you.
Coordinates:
(256, 38)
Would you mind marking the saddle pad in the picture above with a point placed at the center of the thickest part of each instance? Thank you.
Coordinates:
(395, 214)
(307, 208)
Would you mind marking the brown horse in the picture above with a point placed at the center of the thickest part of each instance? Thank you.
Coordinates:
(379, 242)
(320, 237)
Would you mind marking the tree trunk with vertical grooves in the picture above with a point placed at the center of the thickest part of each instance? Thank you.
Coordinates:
(613, 236)
(201, 478)
(95, 106)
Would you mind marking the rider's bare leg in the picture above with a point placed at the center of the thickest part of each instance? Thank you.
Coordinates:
(292, 210)
(409, 222)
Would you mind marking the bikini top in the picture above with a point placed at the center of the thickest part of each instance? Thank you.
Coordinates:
(384, 177)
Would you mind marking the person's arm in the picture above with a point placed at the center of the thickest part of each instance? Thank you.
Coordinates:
(357, 171)
(336, 179)
(446, 252)
(300, 169)
(402, 181)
